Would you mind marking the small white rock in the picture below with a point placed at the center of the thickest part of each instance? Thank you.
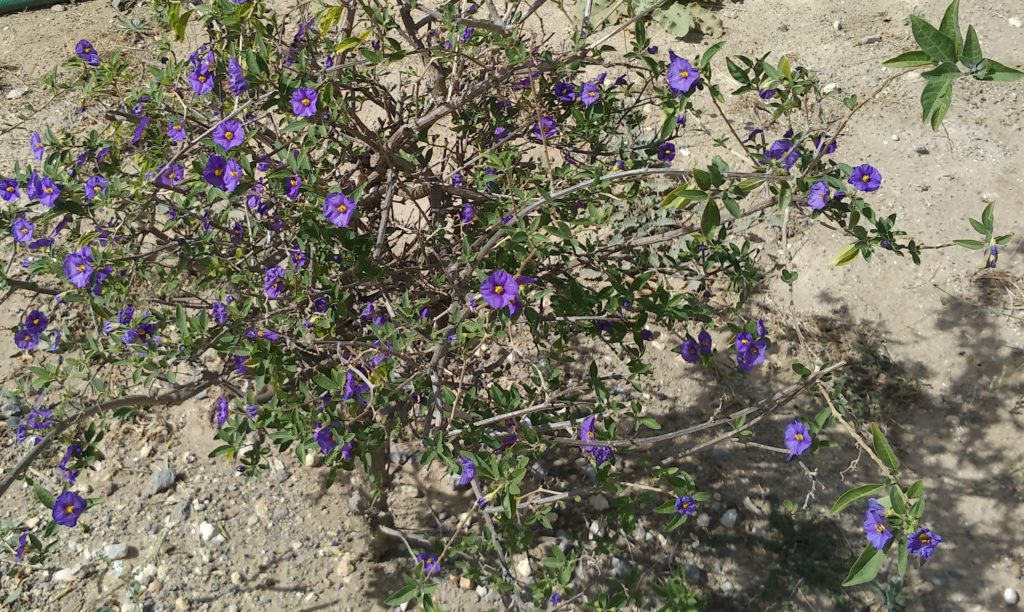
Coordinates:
(56, 8)
(16, 93)
(1014, 21)
(729, 517)
(827, 89)
(116, 551)
(599, 502)
(895, 137)
(1011, 596)
(66, 574)
(345, 566)
(836, 25)
(206, 531)
(523, 568)
(703, 520)
(481, 591)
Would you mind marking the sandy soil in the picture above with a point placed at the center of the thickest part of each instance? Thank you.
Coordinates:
(937, 352)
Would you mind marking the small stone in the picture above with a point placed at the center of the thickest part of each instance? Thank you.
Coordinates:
(729, 517)
(836, 25)
(356, 503)
(829, 88)
(206, 531)
(870, 40)
(261, 509)
(161, 481)
(1011, 596)
(1014, 21)
(620, 569)
(65, 575)
(895, 137)
(16, 93)
(694, 575)
(599, 502)
(481, 591)
(56, 8)
(595, 529)
(313, 459)
(409, 491)
(116, 551)
(236, 578)
(345, 566)
(921, 149)
(180, 604)
(465, 583)
(155, 586)
(523, 568)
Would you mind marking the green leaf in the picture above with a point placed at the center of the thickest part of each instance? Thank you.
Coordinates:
(991, 70)
(910, 59)
(937, 45)
(896, 501)
(916, 490)
(732, 206)
(845, 256)
(950, 26)
(705, 58)
(901, 557)
(944, 71)
(325, 382)
(711, 218)
(855, 494)
(979, 227)
(866, 567)
(402, 595)
(935, 99)
(44, 496)
(971, 56)
(850, 102)
(974, 245)
(883, 449)
(988, 216)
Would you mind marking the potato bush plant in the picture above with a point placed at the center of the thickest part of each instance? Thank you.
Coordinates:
(412, 228)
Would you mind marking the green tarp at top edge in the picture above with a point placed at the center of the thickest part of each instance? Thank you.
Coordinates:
(11, 6)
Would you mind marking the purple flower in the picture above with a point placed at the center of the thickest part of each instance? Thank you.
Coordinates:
(125, 316)
(215, 169)
(229, 134)
(798, 438)
(667, 152)
(321, 304)
(9, 190)
(262, 334)
(219, 311)
(304, 102)
(273, 285)
(201, 81)
(923, 543)
(354, 387)
(690, 350)
(232, 175)
(686, 505)
(252, 411)
(754, 354)
(78, 267)
(87, 53)
(176, 130)
(95, 186)
(221, 413)
(683, 77)
(140, 130)
(236, 78)
(877, 532)
(239, 363)
(600, 453)
(325, 439)
(468, 471)
(818, 196)
(35, 321)
(431, 564)
(39, 418)
(589, 93)
(292, 187)
(499, 289)
(19, 554)
(67, 508)
(564, 92)
(866, 178)
(22, 229)
(72, 452)
(557, 597)
(704, 342)
(825, 138)
(172, 175)
(298, 257)
(339, 208)
(466, 35)
(37, 146)
(25, 339)
(47, 191)
(545, 129)
(768, 94)
(784, 151)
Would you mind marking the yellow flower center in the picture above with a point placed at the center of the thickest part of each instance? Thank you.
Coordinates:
(234, 173)
(10, 189)
(48, 189)
(218, 172)
(293, 182)
(96, 189)
(35, 321)
(499, 289)
(229, 135)
(924, 538)
(201, 78)
(305, 101)
(799, 437)
(865, 178)
(259, 334)
(69, 509)
(177, 126)
(88, 49)
(80, 267)
(684, 74)
(24, 230)
(342, 209)
(879, 528)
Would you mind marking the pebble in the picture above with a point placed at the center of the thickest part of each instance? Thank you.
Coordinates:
(481, 591)
(729, 517)
(206, 531)
(1014, 21)
(66, 574)
(465, 583)
(356, 503)
(870, 40)
(313, 459)
(703, 520)
(56, 8)
(116, 551)
(836, 25)
(921, 149)
(161, 481)
(180, 604)
(16, 93)
(155, 586)
(620, 569)
(895, 137)
(1011, 596)
(523, 568)
(599, 503)
(694, 575)
(345, 566)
